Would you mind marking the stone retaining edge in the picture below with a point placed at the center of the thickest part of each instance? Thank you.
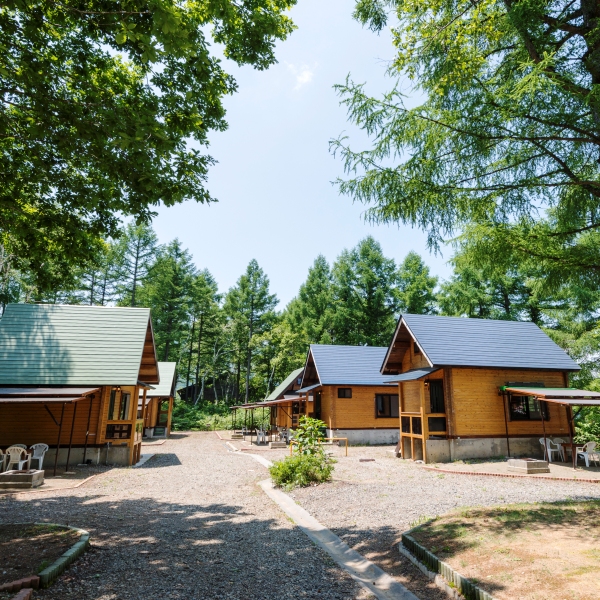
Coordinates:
(441, 573)
(50, 574)
(515, 475)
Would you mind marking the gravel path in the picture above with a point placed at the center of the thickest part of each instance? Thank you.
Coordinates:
(369, 504)
(191, 523)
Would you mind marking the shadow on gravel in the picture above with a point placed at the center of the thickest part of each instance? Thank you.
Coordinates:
(168, 459)
(152, 550)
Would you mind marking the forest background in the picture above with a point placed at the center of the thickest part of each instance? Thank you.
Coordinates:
(237, 346)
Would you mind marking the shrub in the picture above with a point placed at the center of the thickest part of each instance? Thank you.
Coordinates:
(302, 470)
(208, 416)
(308, 436)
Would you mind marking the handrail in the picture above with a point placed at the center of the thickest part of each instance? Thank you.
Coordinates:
(329, 439)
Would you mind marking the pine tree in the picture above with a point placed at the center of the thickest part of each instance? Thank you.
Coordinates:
(364, 293)
(415, 286)
(251, 308)
(136, 250)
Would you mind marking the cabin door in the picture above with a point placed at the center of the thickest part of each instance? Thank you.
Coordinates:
(163, 413)
(318, 405)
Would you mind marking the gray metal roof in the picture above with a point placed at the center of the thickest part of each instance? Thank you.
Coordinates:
(412, 375)
(283, 386)
(53, 344)
(166, 372)
(350, 365)
(457, 341)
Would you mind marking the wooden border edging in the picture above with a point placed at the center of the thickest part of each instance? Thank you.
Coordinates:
(441, 573)
(511, 475)
(51, 573)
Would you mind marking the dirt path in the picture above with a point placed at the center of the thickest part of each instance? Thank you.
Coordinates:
(191, 523)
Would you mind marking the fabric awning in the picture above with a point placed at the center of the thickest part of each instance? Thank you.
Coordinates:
(566, 396)
(44, 395)
(412, 375)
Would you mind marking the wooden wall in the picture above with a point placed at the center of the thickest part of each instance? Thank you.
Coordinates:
(22, 423)
(357, 412)
(477, 409)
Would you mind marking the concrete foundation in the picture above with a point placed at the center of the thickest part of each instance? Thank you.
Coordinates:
(374, 437)
(461, 449)
(117, 455)
(528, 465)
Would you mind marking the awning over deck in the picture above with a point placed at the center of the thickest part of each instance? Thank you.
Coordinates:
(267, 403)
(45, 395)
(565, 396)
(309, 388)
(412, 375)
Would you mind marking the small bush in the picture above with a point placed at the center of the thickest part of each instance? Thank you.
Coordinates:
(207, 416)
(302, 470)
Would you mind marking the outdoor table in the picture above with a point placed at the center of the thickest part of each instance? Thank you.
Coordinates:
(568, 447)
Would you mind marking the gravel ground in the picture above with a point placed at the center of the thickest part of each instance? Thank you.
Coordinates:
(190, 523)
(369, 504)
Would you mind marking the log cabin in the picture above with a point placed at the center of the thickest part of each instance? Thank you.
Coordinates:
(343, 386)
(159, 402)
(70, 377)
(452, 375)
(284, 401)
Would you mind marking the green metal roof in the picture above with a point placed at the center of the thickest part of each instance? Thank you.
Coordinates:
(54, 344)
(280, 389)
(166, 372)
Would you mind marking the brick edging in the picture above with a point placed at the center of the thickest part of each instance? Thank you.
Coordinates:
(51, 573)
(512, 475)
(435, 567)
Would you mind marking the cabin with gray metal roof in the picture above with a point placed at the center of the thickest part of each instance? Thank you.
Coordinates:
(342, 386)
(71, 376)
(453, 374)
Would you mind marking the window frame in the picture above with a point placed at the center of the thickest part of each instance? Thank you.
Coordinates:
(527, 402)
(388, 405)
(344, 392)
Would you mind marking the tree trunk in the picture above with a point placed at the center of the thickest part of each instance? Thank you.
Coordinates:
(249, 352)
(92, 285)
(189, 365)
(198, 352)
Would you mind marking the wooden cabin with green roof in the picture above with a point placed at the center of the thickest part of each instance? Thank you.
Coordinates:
(71, 376)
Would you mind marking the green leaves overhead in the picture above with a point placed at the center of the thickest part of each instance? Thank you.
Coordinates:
(106, 107)
(509, 126)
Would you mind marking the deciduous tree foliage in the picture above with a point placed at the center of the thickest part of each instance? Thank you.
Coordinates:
(105, 107)
(510, 125)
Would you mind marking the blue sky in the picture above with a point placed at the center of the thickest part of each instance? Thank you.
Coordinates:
(273, 181)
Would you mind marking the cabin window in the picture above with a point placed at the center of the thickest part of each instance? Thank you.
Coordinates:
(527, 408)
(299, 381)
(436, 396)
(437, 424)
(119, 405)
(405, 424)
(416, 349)
(386, 406)
(295, 408)
(344, 392)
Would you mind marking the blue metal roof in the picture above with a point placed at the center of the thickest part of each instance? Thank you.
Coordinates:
(310, 387)
(412, 375)
(457, 341)
(349, 365)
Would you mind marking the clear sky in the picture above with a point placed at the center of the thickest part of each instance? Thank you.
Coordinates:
(273, 181)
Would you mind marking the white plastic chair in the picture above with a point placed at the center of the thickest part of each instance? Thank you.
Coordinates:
(559, 442)
(39, 451)
(17, 456)
(550, 449)
(3, 459)
(261, 437)
(587, 452)
(19, 446)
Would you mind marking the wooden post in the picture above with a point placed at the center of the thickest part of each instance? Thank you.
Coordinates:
(62, 414)
(504, 402)
(424, 422)
(87, 431)
(546, 451)
(71, 436)
(570, 421)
